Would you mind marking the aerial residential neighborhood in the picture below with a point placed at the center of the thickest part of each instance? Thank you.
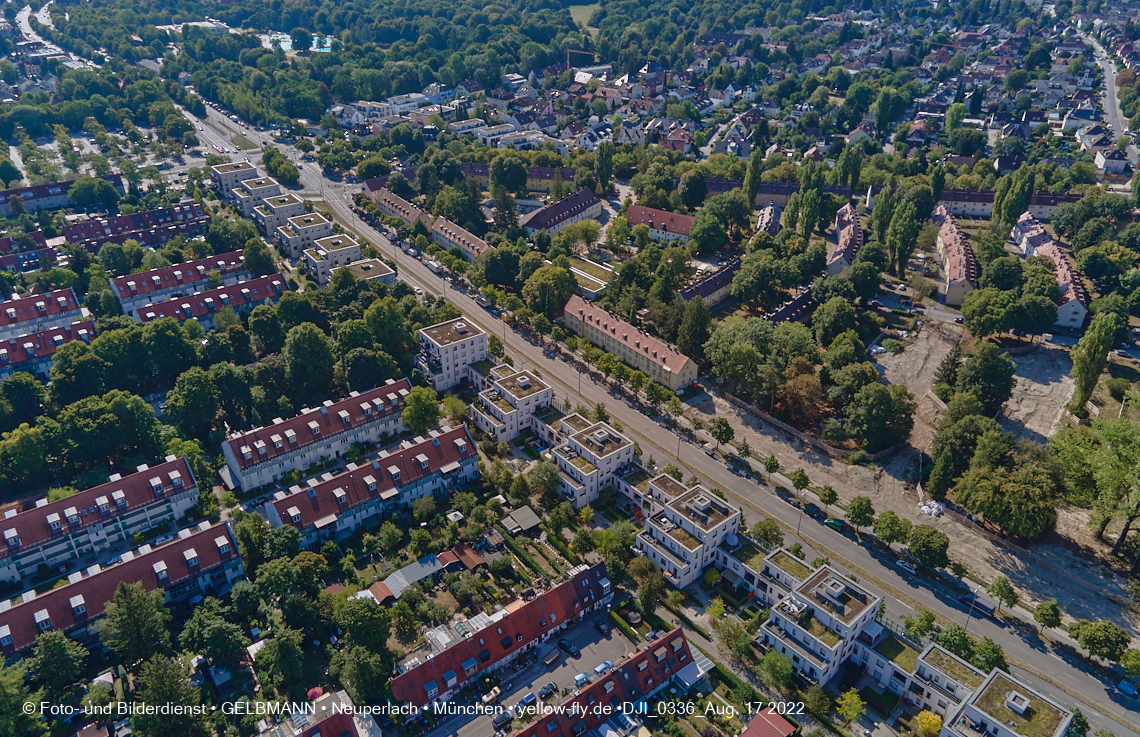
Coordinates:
(628, 369)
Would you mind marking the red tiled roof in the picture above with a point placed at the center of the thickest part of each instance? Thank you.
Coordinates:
(1068, 278)
(322, 500)
(468, 557)
(491, 644)
(97, 589)
(328, 418)
(32, 524)
(768, 723)
(381, 592)
(962, 265)
(634, 339)
(187, 273)
(150, 228)
(200, 304)
(452, 233)
(25, 348)
(850, 234)
(16, 311)
(552, 215)
(629, 681)
(670, 222)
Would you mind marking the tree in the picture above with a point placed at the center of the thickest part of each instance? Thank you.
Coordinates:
(57, 663)
(860, 513)
(693, 189)
(310, 362)
(165, 681)
(1091, 355)
(920, 626)
(301, 40)
(257, 259)
(1102, 638)
(890, 528)
(988, 374)
(1002, 590)
(902, 236)
(694, 332)
(604, 164)
(769, 532)
(192, 405)
(771, 465)
(941, 476)
(957, 640)
(828, 496)
(545, 481)
(721, 430)
(752, 175)
(850, 707)
(1079, 726)
(1131, 662)
(1048, 614)
(421, 410)
(833, 318)
(509, 172)
(365, 624)
(135, 622)
(548, 290)
(989, 655)
(928, 723)
(817, 701)
(93, 192)
(954, 116)
(882, 416)
(929, 546)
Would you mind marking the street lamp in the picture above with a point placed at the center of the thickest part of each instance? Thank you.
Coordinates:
(971, 612)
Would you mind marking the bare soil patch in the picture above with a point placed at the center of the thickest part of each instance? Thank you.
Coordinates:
(1042, 389)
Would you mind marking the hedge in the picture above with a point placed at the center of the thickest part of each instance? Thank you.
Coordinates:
(522, 555)
(625, 628)
(692, 625)
(559, 545)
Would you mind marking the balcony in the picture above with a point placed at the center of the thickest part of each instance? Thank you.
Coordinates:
(647, 540)
(771, 632)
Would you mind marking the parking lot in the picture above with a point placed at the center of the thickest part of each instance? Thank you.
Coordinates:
(594, 649)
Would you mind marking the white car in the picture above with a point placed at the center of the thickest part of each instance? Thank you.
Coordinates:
(906, 567)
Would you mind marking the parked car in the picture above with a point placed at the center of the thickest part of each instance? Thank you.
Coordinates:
(547, 691)
(603, 628)
(502, 719)
(920, 305)
(604, 666)
(529, 700)
(978, 604)
(492, 696)
(568, 647)
(581, 679)
(1127, 687)
(813, 511)
(906, 567)
(958, 320)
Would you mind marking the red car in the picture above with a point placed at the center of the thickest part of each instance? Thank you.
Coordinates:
(920, 305)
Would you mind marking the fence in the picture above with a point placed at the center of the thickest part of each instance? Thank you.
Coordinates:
(1029, 555)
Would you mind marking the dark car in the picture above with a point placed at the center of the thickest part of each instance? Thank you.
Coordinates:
(568, 647)
(502, 719)
(547, 691)
(603, 628)
(813, 511)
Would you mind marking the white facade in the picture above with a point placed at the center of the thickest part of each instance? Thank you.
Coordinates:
(682, 538)
(447, 349)
(329, 254)
(227, 176)
(509, 406)
(588, 461)
(301, 231)
(275, 211)
(249, 193)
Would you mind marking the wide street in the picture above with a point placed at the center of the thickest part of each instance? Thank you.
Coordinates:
(1113, 115)
(1066, 676)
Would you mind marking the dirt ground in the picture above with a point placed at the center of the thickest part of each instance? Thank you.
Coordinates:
(1043, 388)
(914, 368)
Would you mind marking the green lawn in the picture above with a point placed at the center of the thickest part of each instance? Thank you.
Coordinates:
(581, 13)
(592, 268)
(897, 651)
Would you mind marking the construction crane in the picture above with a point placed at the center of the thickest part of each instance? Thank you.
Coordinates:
(576, 51)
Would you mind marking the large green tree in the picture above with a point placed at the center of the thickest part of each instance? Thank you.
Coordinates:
(1090, 356)
(135, 624)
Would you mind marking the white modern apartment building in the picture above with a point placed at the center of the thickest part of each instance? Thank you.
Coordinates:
(816, 625)
(682, 539)
(329, 254)
(1004, 706)
(301, 231)
(263, 455)
(227, 176)
(532, 141)
(767, 576)
(334, 508)
(249, 193)
(447, 349)
(170, 282)
(403, 103)
(38, 312)
(369, 269)
(509, 405)
(589, 459)
(275, 211)
(53, 533)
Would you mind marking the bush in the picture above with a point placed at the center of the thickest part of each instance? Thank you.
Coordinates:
(892, 346)
(857, 457)
(1117, 387)
(945, 392)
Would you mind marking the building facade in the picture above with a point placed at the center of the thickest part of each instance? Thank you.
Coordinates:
(301, 231)
(449, 235)
(241, 297)
(581, 205)
(848, 239)
(447, 349)
(51, 533)
(35, 353)
(227, 177)
(1033, 240)
(510, 404)
(249, 193)
(329, 254)
(275, 211)
(152, 228)
(38, 312)
(170, 282)
(959, 265)
(265, 454)
(589, 459)
(334, 509)
(664, 226)
(638, 349)
(682, 538)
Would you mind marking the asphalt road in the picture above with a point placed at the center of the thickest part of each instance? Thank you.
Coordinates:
(1111, 104)
(755, 499)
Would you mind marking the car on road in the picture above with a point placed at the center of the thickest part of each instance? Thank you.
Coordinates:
(977, 604)
(904, 565)
(529, 700)
(958, 321)
(547, 691)
(920, 305)
(113, 560)
(581, 679)
(604, 666)
(568, 647)
(492, 696)
(603, 628)
(419, 292)
(834, 524)
(1127, 686)
(502, 719)
(813, 511)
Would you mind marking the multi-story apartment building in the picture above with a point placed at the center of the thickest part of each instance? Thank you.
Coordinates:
(848, 239)
(816, 625)
(203, 561)
(767, 576)
(152, 228)
(588, 461)
(170, 282)
(51, 533)
(372, 268)
(664, 226)
(581, 205)
(336, 508)
(959, 264)
(275, 211)
(941, 680)
(447, 349)
(332, 713)
(301, 231)
(241, 297)
(510, 404)
(34, 353)
(396, 206)
(1034, 240)
(632, 346)
(48, 196)
(490, 643)
(263, 455)
(1004, 706)
(683, 537)
(249, 193)
(38, 312)
(329, 254)
(228, 176)
(449, 235)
